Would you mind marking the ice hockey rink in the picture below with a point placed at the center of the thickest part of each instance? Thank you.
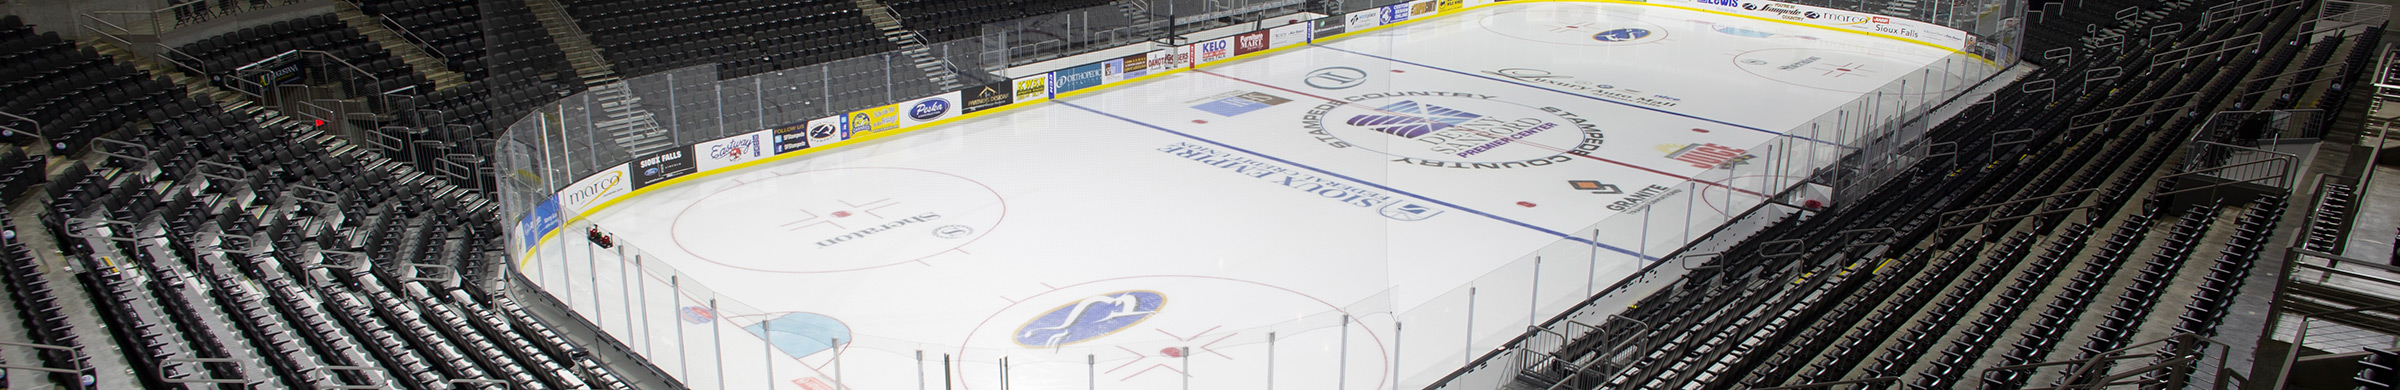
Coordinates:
(1311, 218)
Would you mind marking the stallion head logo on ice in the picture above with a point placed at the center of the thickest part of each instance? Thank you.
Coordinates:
(1412, 119)
(1089, 318)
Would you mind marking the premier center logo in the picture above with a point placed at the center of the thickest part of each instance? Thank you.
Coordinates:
(1453, 129)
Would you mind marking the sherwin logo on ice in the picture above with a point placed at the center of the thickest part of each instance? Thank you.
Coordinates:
(1727, 3)
(1090, 318)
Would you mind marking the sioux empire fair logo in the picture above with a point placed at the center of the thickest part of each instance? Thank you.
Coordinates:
(929, 109)
(1090, 318)
(1707, 155)
(1453, 129)
(1328, 188)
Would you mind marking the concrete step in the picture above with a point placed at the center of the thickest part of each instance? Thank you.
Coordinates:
(416, 57)
(581, 53)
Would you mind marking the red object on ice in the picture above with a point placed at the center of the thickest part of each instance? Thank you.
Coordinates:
(1813, 203)
(1525, 203)
(841, 214)
(1699, 130)
(1200, 121)
(1172, 352)
(1399, 71)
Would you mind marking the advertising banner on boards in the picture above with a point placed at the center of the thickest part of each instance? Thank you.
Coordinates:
(539, 222)
(791, 137)
(1080, 77)
(593, 190)
(1327, 27)
(929, 109)
(1287, 35)
(1250, 42)
(728, 151)
(1363, 19)
(987, 96)
(661, 166)
(872, 120)
(1032, 88)
(1221, 48)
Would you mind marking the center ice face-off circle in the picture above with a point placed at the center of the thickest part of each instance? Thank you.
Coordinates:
(838, 220)
(1145, 332)
(1455, 130)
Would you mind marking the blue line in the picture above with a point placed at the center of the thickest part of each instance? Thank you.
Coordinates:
(1356, 180)
(1582, 95)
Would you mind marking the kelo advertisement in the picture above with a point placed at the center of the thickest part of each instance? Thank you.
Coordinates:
(988, 96)
(1219, 49)
(659, 167)
(929, 109)
(738, 149)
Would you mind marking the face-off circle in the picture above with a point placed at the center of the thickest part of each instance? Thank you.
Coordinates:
(1582, 27)
(1457, 130)
(1140, 332)
(838, 219)
(1840, 70)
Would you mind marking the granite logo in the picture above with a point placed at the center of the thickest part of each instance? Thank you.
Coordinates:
(929, 109)
(1642, 198)
(1595, 187)
(1089, 318)
(1339, 77)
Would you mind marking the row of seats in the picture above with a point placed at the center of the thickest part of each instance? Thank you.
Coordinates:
(1959, 272)
(71, 91)
(648, 36)
(219, 57)
(946, 20)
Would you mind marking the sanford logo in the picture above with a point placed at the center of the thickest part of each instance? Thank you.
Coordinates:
(1707, 155)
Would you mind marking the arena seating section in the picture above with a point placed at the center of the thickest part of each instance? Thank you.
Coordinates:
(1939, 300)
(228, 230)
(946, 20)
(743, 36)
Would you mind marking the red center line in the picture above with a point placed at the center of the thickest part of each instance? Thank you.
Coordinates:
(1595, 158)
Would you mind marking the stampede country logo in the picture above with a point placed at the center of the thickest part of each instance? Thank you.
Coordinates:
(1707, 155)
(1453, 129)
(1090, 318)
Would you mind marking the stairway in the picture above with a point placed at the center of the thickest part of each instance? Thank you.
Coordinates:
(199, 87)
(571, 39)
(416, 57)
(626, 122)
(911, 43)
(1138, 12)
